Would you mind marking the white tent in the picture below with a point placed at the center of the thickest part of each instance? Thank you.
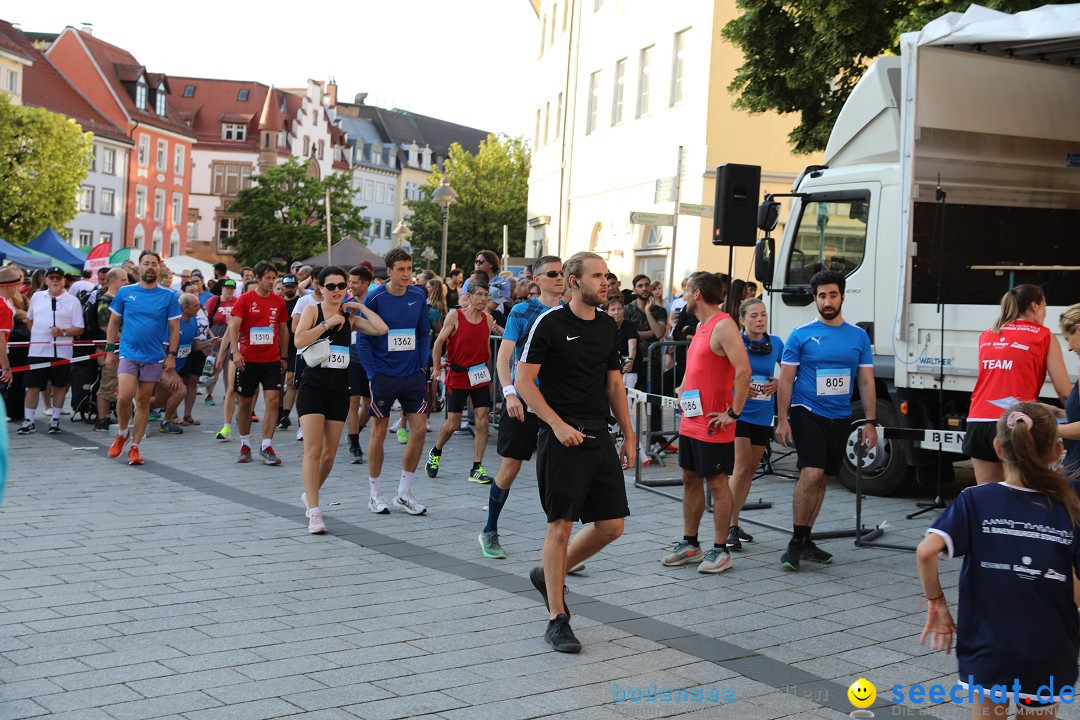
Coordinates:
(179, 263)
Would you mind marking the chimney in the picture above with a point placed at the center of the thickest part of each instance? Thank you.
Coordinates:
(87, 27)
(359, 98)
(331, 91)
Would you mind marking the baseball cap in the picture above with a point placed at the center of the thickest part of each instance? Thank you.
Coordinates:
(55, 270)
(288, 280)
(367, 264)
(495, 293)
(229, 283)
(296, 264)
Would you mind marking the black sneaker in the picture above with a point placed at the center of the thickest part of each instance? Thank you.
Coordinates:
(54, 427)
(815, 554)
(102, 425)
(536, 575)
(560, 637)
(26, 428)
(743, 535)
(733, 541)
(284, 422)
(790, 559)
(357, 455)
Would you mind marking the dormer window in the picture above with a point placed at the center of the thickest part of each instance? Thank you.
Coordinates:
(233, 131)
(414, 152)
(159, 105)
(140, 95)
(425, 163)
(376, 153)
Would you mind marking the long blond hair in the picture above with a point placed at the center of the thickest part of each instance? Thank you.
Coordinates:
(1016, 302)
(437, 295)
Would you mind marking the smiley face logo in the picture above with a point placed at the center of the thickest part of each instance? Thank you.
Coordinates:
(862, 693)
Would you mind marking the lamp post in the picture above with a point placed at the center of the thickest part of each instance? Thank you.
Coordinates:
(444, 196)
(402, 233)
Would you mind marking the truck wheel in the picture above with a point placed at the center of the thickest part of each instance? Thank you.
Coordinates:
(885, 469)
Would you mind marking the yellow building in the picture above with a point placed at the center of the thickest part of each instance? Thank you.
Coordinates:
(12, 61)
(620, 86)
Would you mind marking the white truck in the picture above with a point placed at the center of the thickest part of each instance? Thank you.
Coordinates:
(952, 173)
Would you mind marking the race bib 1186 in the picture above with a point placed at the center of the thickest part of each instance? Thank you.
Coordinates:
(690, 402)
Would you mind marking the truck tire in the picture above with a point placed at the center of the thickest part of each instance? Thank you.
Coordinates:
(885, 469)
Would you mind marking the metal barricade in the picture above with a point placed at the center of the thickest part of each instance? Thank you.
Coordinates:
(660, 381)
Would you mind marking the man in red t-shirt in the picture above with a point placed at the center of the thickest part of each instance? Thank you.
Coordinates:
(465, 336)
(9, 285)
(259, 338)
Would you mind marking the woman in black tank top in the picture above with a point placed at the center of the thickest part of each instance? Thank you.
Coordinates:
(322, 401)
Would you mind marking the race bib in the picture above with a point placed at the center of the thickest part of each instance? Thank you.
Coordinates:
(690, 402)
(479, 374)
(401, 340)
(833, 381)
(183, 351)
(339, 358)
(757, 388)
(261, 335)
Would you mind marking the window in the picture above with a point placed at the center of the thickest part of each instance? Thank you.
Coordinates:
(554, 14)
(105, 238)
(315, 117)
(536, 132)
(93, 158)
(558, 115)
(564, 6)
(144, 151)
(159, 106)
(177, 208)
(644, 80)
(229, 179)
(178, 160)
(543, 34)
(233, 131)
(307, 146)
(108, 161)
(830, 236)
(86, 199)
(189, 91)
(617, 92)
(140, 202)
(391, 189)
(162, 153)
(226, 228)
(86, 238)
(174, 247)
(322, 148)
(242, 95)
(108, 202)
(380, 192)
(159, 205)
(678, 67)
(11, 81)
(156, 244)
(547, 120)
(387, 232)
(369, 190)
(376, 228)
(594, 102)
(140, 95)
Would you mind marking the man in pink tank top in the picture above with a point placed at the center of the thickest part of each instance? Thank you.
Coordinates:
(711, 398)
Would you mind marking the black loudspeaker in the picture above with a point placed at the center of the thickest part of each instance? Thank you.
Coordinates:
(735, 208)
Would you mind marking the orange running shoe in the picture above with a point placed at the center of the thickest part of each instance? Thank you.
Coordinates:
(134, 458)
(117, 446)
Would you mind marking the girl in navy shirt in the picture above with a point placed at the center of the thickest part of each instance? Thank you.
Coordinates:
(1018, 622)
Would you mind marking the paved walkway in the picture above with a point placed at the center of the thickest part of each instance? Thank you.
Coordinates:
(189, 588)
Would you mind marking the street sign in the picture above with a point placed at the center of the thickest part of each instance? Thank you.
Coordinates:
(665, 190)
(695, 210)
(648, 218)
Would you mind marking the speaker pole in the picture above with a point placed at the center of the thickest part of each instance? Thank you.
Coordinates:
(675, 224)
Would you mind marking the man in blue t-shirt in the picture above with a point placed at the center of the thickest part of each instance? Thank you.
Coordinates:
(148, 312)
(396, 364)
(821, 362)
(517, 426)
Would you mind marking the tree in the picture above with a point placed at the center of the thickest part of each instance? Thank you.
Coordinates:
(493, 190)
(44, 158)
(805, 57)
(283, 214)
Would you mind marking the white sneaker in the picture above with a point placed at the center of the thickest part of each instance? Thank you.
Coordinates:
(315, 525)
(409, 504)
(377, 504)
(300, 433)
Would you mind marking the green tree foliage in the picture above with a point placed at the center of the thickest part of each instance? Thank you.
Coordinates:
(44, 158)
(493, 190)
(283, 214)
(805, 57)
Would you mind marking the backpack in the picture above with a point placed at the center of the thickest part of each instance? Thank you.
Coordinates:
(91, 326)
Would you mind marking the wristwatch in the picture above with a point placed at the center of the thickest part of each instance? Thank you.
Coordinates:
(875, 423)
(732, 414)
(171, 352)
(64, 332)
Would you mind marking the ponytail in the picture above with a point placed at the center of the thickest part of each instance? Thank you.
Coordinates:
(1028, 435)
(1016, 302)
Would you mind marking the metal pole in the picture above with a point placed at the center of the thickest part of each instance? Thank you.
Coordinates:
(445, 232)
(329, 245)
(506, 247)
(675, 224)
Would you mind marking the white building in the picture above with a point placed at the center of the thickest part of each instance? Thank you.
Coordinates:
(375, 178)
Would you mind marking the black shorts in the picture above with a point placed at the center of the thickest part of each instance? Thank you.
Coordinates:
(979, 441)
(267, 374)
(193, 365)
(358, 379)
(580, 483)
(58, 375)
(457, 399)
(410, 391)
(315, 400)
(706, 459)
(760, 435)
(517, 438)
(819, 441)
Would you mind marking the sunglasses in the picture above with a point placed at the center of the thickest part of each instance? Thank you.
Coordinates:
(480, 261)
(554, 274)
(335, 286)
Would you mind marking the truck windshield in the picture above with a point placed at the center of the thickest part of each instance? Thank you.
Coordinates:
(831, 235)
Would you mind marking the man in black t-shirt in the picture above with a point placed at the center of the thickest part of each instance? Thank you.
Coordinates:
(572, 350)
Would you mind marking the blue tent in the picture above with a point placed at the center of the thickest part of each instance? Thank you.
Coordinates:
(22, 258)
(50, 243)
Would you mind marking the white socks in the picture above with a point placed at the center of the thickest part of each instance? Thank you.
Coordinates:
(405, 485)
(375, 485)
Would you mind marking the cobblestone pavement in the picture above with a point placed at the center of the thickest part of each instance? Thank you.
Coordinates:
(190, 588)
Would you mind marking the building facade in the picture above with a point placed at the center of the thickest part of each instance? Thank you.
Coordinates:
(158, 168)
(14, 59)
(375, 177)
(620, 88)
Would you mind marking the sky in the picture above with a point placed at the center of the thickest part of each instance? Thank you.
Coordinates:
(466, 61)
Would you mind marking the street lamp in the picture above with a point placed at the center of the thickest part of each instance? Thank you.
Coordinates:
(402, 233)
(444, 196)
